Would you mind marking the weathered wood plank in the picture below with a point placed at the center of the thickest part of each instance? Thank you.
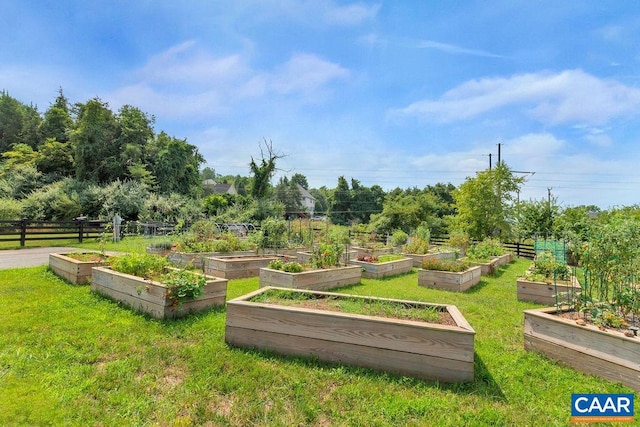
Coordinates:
(397, 362)
(608, 354)
(321, 279)
(151, 297)
(412, 337)
(451, 281)
(376, 270)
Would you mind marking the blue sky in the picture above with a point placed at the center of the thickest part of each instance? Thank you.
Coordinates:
(399, 94)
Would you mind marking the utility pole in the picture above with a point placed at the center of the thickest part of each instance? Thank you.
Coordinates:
(490, 161)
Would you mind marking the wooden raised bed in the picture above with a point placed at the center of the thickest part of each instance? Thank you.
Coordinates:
(320, 280)
(418, 259)
(414, 348)
(304, 257)
(197, 259)
(544, 293)
(608, 354)
(73, 270)
(237, 266)
(376, 270)
(494, 264)
(151, 297)
(448, 280)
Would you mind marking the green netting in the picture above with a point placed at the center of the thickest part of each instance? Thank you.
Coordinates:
(557, 248)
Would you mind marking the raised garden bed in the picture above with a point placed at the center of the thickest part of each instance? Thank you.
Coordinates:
(434, 351)
(376, 270)
(197, 259)
(76, 268)
(450, 280)
(491, 266)
(153, 298)
(304, 257)
(320, 279)
(418, 259)
(605, 353)
(545, 293)
(237, 266)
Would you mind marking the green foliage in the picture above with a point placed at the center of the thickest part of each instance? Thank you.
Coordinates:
(326, 255)
(263, 171)
(485, 204)
(224, 242)
(126, 198)
(546, 267)
(10, 209)
(454, 266)
(458, 239)
(399, 238)
(184, 285)
(417, 246)
(272, 234)
(337, 234)
(536, 218)
(485, 250)
(51, 202)
(139, 264)
(287, 266)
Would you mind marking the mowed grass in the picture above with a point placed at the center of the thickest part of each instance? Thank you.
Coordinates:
(69, 357)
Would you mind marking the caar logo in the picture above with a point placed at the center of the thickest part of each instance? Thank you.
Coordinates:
(602, 407)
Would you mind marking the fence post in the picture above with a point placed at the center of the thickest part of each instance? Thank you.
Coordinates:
(80, 220)
(23, 232)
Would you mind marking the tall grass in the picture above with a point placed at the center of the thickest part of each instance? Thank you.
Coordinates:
(69, 357)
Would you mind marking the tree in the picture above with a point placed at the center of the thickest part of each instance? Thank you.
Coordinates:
(485, 203)
(301, 180)
(177, 166)
(535, 218)
(11, 121)
(340, 203)
(55, 159)
(288, 193)
(208, 173)
(97, 147)
(135, 133)
(57, 123)
(264, 170)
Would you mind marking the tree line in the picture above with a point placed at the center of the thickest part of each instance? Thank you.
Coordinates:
(85, 159)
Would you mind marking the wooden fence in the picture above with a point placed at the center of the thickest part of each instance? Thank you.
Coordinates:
(26, 230)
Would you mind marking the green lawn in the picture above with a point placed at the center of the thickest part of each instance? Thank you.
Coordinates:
(68, 357)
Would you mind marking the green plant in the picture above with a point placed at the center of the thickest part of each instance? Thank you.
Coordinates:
(326, 255)
(485, 250)
(184, 285)
(399, 238)
(139, 264)
(288, 266)
(546, 267)
(417, 246)
(445, 265)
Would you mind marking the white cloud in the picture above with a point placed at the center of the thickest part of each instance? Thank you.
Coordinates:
(571, 96)
(449, 48)
(305, 73)
(186, 80)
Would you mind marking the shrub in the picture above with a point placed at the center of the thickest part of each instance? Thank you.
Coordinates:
(10, 209)
(417, 246)
(399, 238)
(485, 250)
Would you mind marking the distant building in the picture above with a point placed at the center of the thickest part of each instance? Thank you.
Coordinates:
(307, 200)
(211, 187)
